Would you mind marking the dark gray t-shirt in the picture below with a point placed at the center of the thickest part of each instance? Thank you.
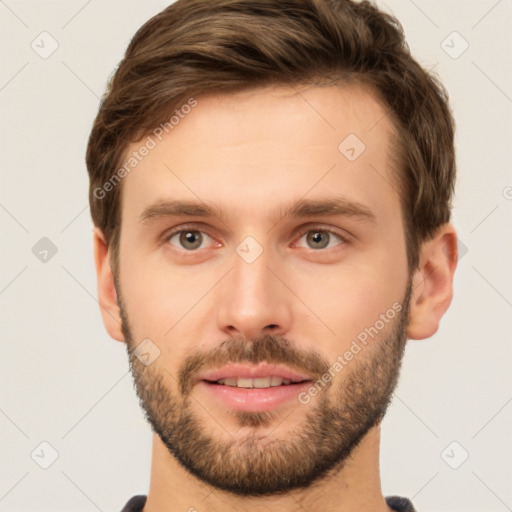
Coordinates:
(136, 504)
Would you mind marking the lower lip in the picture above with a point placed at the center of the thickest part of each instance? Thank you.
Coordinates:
(254, 399)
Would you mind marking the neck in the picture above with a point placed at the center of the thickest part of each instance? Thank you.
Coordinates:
(356, 487)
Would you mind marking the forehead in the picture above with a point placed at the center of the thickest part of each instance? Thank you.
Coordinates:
(283, 142)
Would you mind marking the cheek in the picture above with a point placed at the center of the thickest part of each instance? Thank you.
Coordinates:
(157, 307)
(344, 307)
(345, 300)
(164, 303)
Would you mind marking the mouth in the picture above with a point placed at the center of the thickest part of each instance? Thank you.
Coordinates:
(259, 376)
(253, 388)
(259, 382)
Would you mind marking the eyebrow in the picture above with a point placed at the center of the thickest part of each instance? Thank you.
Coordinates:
(299, 209)
(331, 206)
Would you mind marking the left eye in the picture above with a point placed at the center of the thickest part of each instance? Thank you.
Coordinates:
(320, 238)
(189, 239)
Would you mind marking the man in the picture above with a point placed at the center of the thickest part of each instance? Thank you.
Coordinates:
(270, 184)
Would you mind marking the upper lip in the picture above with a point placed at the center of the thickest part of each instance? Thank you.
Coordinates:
(253, 372)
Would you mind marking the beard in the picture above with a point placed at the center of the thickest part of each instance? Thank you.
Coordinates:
(260, 464)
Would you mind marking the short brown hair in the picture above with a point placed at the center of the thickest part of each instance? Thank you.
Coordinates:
(198, 47)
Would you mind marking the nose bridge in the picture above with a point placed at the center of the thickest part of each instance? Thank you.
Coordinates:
(251, 274)
(253, 298)
(251, 277)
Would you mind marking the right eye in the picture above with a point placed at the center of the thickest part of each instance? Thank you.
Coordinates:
(188, 239)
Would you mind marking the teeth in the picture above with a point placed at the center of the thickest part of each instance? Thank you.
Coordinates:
(276, 381)
(260, 382)
(244, 383)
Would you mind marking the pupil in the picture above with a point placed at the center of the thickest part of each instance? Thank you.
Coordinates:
(316, 239)
(192, 238)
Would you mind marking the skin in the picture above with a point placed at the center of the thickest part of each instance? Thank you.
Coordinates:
(254, 153)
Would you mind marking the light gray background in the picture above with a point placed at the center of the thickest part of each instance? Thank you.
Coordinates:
(64, 381)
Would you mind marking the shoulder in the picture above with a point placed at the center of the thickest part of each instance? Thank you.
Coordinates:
(135, 504)
(400, 504)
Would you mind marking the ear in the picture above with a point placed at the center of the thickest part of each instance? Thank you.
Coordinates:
(107, 294)
(433, 283)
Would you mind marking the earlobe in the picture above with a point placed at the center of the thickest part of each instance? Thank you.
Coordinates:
(107, 295)
(433, 283)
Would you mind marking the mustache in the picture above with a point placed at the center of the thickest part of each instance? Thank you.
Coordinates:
(267, 348)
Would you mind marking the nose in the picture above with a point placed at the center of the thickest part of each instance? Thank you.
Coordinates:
(253, 300)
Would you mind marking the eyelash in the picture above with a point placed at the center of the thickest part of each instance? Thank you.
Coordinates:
(319, 229)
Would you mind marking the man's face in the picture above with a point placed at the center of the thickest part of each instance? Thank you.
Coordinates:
(260, 292)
